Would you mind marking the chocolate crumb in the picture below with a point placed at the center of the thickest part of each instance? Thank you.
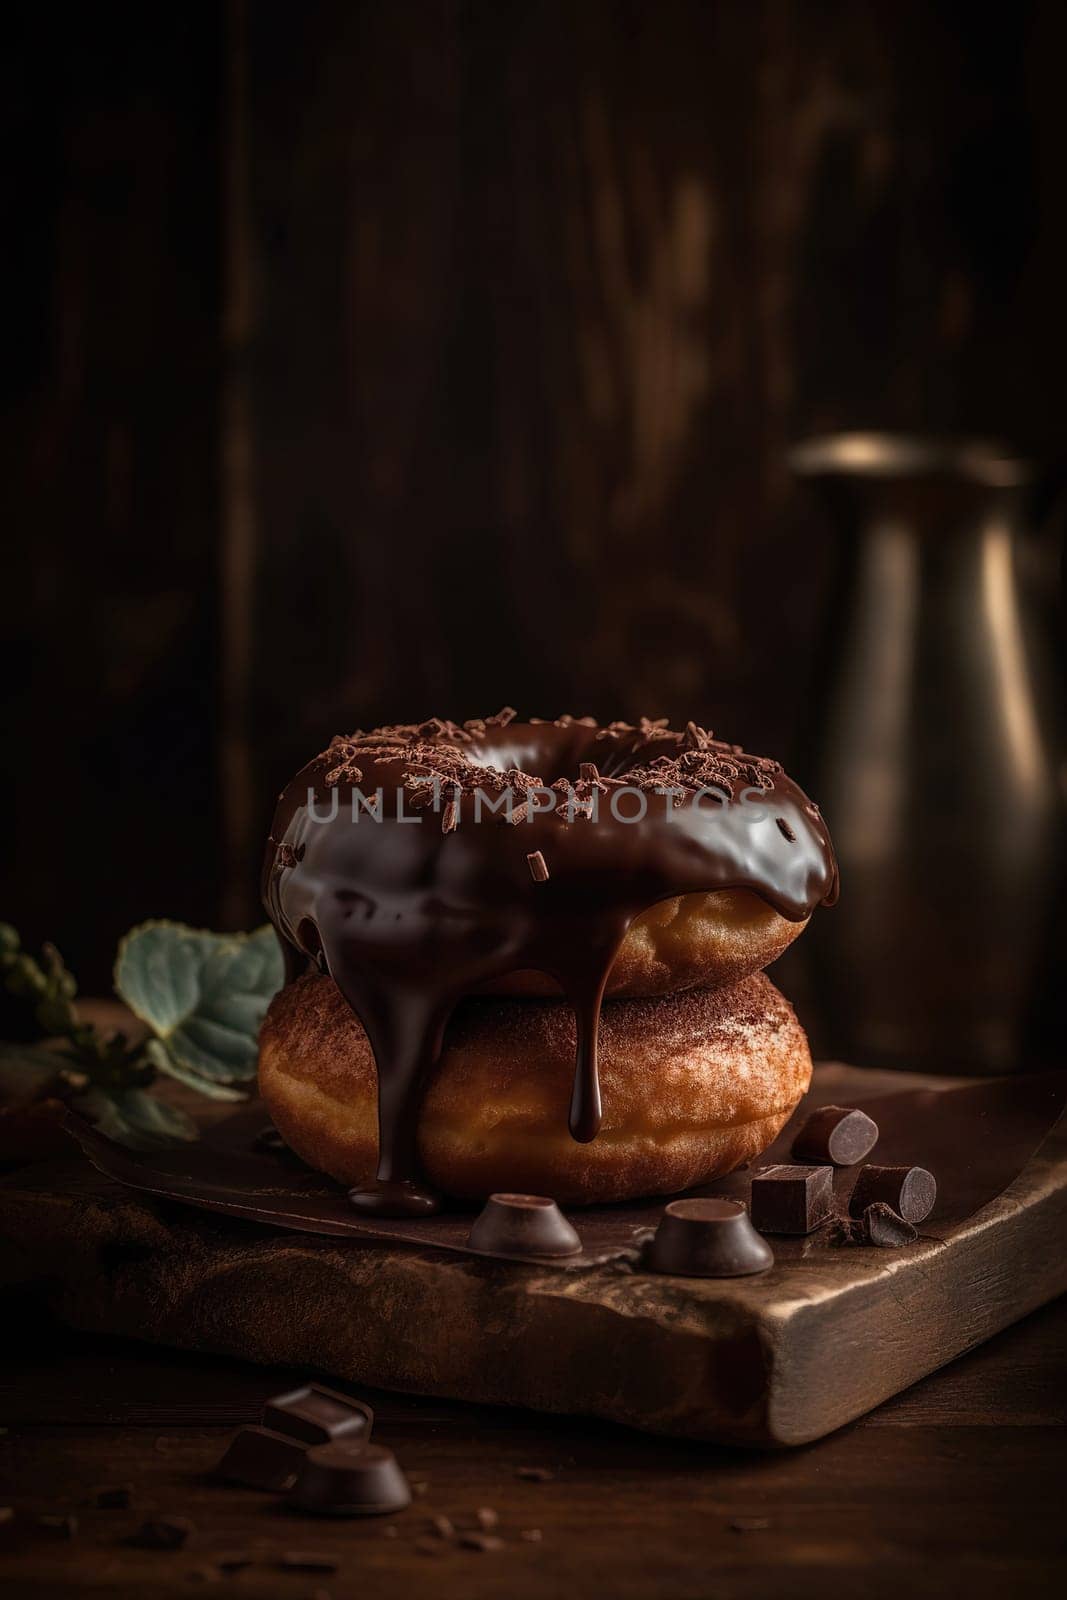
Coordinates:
(487, 1517)
(450, 818)
(307, 1561)
(749, 1524)
(785, 830)
(419, 1486)
(60, 1527)
(844, 1230)
(589, 772)
(481, 1541)
(444, 1527)
(538, 867)
(535, 1474)
(502, 718)
(518, 813)
(531, 1535)
(162, 1533)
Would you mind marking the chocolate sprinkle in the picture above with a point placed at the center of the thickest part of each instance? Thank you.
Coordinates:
(785, 830)
(538, 867)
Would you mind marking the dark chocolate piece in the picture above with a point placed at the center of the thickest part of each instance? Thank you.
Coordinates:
(840, 1135)
(706, 1239)
(909, 1191)
(315, 1415)
(351, 1480)
(162, 1533)
(792, 1199)
(262, 1459)
(523, 1224)
(883, 1227)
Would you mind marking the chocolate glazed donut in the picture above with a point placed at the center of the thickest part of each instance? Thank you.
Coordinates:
(416, 864)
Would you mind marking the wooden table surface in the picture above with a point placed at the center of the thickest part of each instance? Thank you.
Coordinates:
(954, 1486)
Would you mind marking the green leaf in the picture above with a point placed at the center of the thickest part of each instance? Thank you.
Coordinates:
(136, 1118)
(203, 994)
(160, 1057)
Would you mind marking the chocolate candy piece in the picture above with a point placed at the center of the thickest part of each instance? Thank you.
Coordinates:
(351, 1480)
(883, 1227)
(838, 1134)
(262, 1459)
(792, 1199)
(523, 1225)
(706, 1239)
(909, 1191)
(316, 1415)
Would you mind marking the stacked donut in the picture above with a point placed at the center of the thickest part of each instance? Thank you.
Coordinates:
(530, 956)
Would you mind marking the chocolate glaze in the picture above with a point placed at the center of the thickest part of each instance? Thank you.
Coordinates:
(410, 913)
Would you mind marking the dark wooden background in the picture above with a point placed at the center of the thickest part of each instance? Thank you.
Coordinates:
(371, 360)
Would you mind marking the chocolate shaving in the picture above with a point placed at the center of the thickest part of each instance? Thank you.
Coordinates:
(502, 718)
(785, 830)
(450, 817)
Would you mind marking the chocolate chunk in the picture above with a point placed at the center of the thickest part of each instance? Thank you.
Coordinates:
(486, 1517)
(262, 1459)
(838, 1134)
(316, 1415)
(162, 1533)
(523, 1225)
(792, 1199)
(59, 1527)
(883, 1227)
(351, 1480)
(706, 1239)
(909, 1191)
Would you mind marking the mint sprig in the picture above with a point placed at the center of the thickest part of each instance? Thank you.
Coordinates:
(203, 997)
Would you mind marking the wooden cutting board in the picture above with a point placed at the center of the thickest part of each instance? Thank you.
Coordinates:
(779, 1359)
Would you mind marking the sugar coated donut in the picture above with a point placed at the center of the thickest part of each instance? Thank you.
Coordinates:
(694, 1085)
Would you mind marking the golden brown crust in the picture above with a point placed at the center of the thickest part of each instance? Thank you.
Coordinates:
(693, 940)
(693, 1085)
